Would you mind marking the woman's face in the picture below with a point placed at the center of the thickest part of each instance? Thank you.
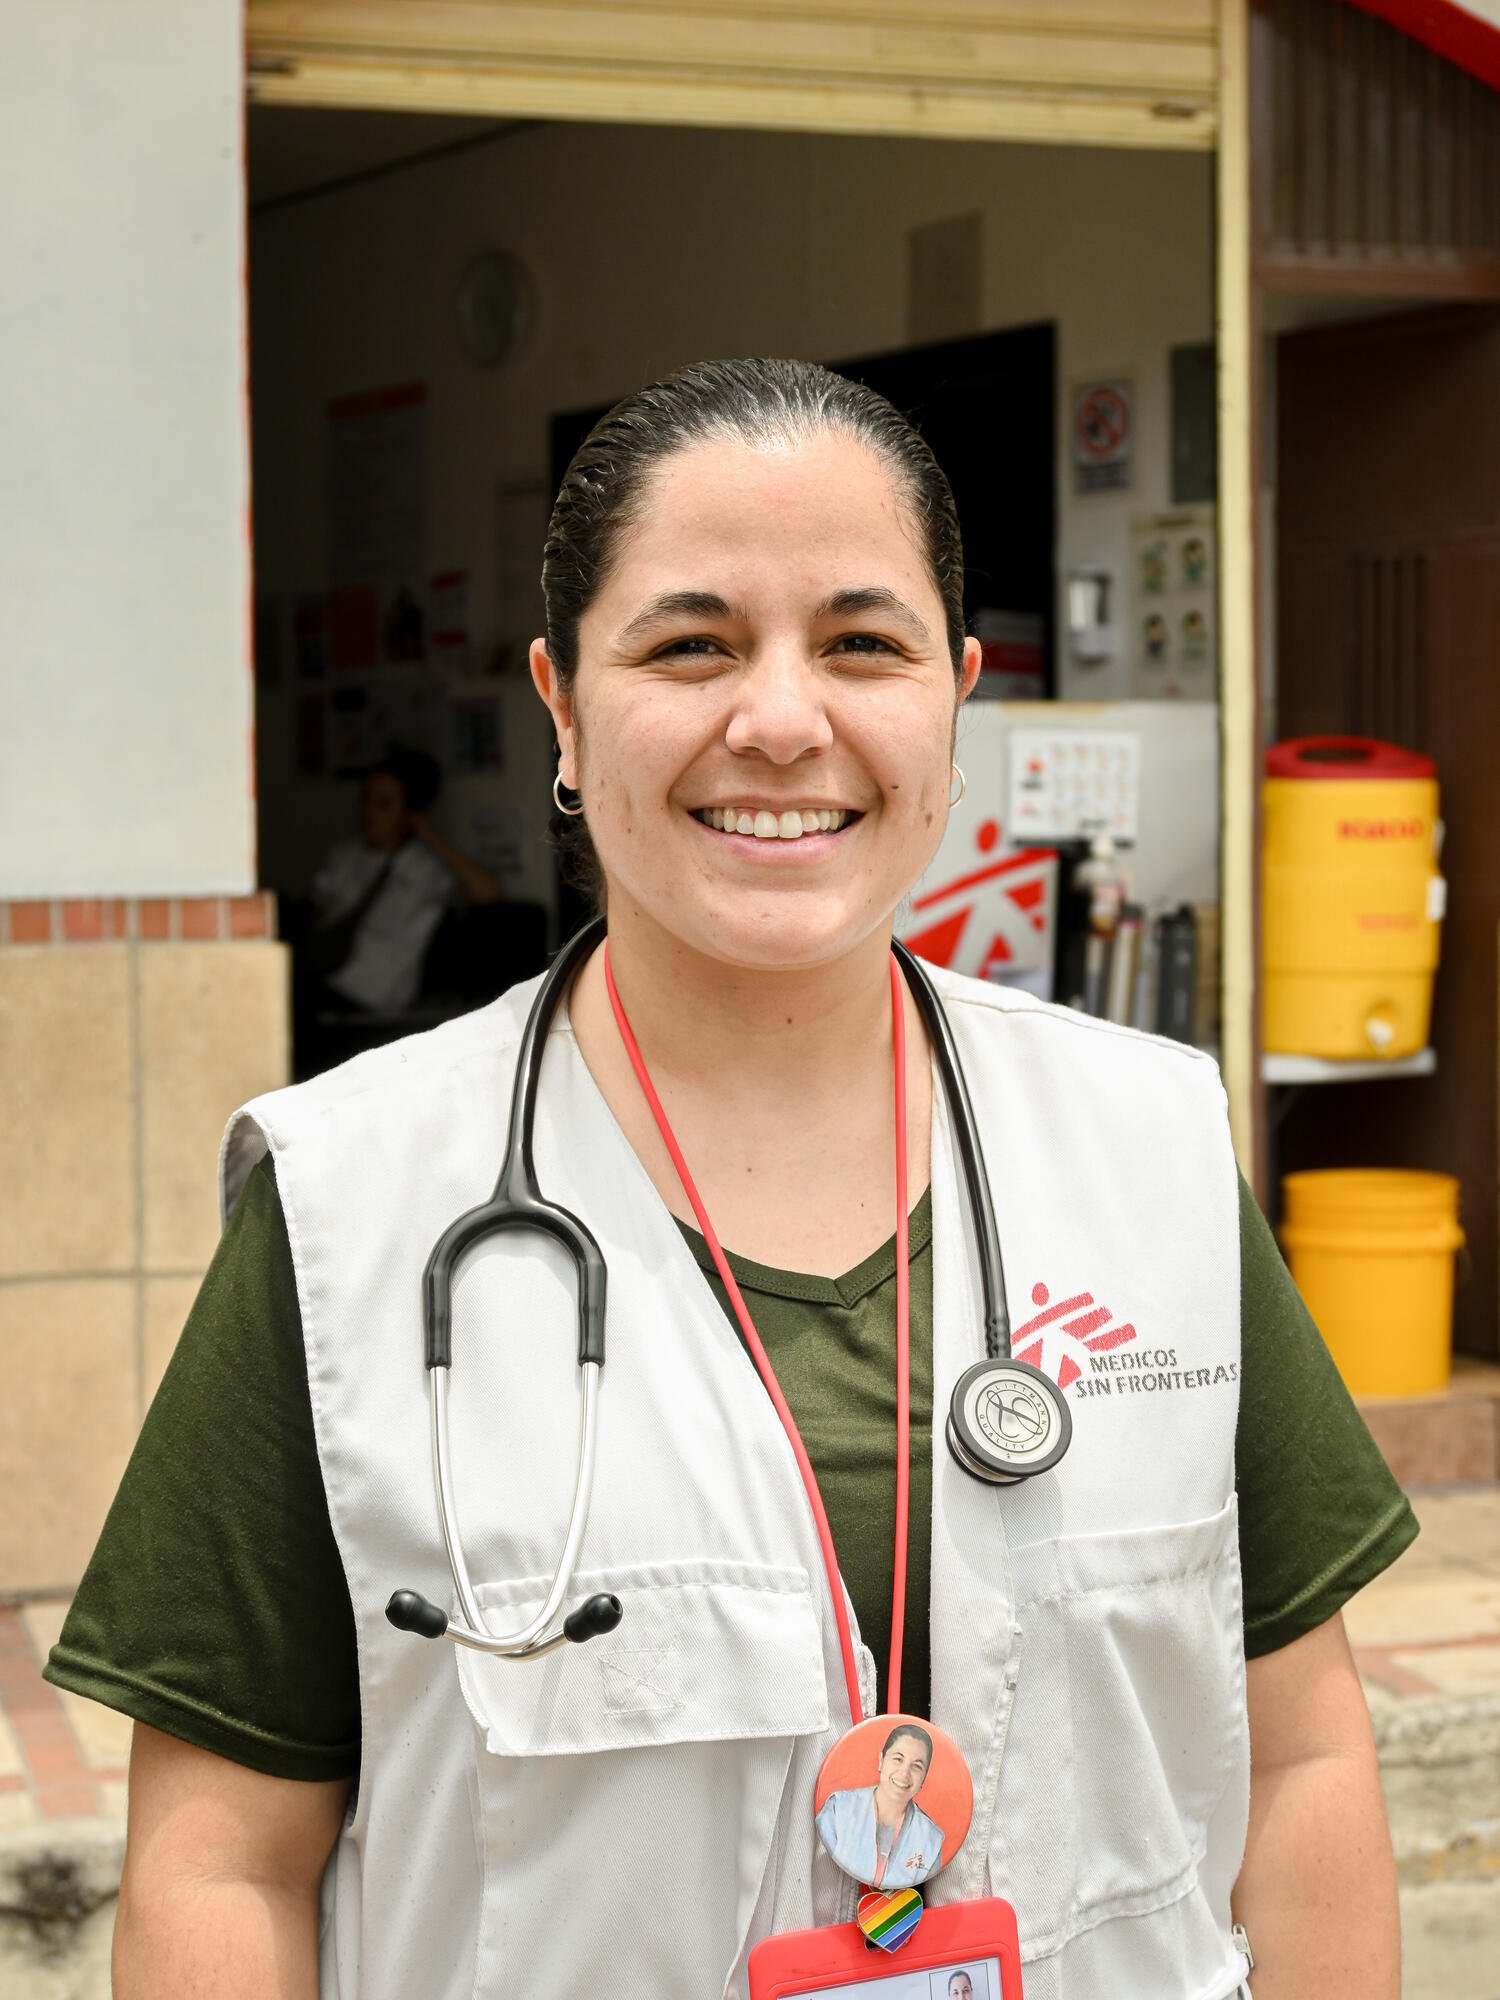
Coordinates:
(769, 649)
(903, 1767)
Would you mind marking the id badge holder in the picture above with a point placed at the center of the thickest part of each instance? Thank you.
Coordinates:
(955, 1943)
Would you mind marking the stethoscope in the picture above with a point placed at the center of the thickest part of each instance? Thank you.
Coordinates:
(1007, 1421)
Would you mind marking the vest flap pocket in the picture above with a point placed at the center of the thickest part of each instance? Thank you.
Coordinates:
(1128, 1720)
(706, 1651)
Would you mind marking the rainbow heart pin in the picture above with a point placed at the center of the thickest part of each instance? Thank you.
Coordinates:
(889, 1920)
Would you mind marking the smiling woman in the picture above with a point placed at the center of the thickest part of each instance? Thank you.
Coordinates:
(754, 662)
(736, 418)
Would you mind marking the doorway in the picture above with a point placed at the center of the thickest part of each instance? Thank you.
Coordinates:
(1388, 624)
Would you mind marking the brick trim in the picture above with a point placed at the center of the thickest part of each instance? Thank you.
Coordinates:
(143, 920)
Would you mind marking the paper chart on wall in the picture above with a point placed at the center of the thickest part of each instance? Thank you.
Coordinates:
(1066, 784)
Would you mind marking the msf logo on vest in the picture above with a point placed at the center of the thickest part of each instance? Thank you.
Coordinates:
(1082, 1347)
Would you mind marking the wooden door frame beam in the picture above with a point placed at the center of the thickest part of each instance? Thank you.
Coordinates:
(1240, 391)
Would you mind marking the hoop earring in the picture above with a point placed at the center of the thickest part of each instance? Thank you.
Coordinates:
(568, 812)
(963, 786)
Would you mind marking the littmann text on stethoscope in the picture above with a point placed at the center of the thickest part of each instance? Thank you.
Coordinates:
(1154, 1369)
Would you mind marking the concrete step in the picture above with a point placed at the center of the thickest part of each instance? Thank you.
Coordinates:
(1448, 1439)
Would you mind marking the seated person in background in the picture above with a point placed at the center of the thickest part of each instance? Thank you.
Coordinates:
(379, 898)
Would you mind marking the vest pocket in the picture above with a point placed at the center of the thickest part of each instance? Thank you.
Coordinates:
(656, 1755)
(1128, 1722)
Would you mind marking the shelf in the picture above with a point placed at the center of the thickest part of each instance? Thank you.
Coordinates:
(1276, 1068)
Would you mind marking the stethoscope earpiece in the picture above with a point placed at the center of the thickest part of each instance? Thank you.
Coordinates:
(1007, 1421)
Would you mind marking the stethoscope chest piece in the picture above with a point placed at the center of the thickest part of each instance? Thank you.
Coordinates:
(1007, 1421)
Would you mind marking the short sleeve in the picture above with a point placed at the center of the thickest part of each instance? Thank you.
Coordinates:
(215, 1606)
(1321, 1513)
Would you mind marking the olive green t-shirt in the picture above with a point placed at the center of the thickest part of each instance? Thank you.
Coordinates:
(215, 1606)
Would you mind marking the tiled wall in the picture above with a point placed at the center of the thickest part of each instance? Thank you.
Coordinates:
(128, 1033)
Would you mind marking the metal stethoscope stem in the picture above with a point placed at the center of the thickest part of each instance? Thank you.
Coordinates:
(537, 1637)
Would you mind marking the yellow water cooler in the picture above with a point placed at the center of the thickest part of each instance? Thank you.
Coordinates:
(1352, 897)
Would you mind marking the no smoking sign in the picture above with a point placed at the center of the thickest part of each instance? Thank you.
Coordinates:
(1103, 433)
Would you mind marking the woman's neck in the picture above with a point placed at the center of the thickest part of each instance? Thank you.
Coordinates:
(889, 1810)
(803, 1033)
(778, 1085)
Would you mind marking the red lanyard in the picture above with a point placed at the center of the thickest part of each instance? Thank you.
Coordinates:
(768, 1374)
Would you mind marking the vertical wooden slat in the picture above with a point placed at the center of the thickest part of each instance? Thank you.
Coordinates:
(1331, 129)
(1463, 167)
(1365, 37)
(1389, 635)
(1419, 602)
(1429, 154)
(1283, 121)
(1400, 48)
(1365, 649)
(1296, 25)
(1353, 664)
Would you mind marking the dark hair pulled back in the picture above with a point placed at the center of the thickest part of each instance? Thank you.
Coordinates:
(759, 403)
(913, 1730)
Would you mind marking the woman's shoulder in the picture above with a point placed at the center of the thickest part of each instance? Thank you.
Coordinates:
(991, 1011)
(991, 1007)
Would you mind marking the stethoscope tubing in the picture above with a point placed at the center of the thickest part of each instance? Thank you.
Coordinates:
(517, 1203)
(970, 1153)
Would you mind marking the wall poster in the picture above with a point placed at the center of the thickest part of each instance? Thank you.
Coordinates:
(1103, 435)
(1174, 606)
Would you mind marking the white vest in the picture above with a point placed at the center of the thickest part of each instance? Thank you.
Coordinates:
(630, 1816)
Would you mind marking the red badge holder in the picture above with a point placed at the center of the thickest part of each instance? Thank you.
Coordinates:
(975, 1939)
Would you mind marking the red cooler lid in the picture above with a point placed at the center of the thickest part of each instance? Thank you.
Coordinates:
(1345, 757)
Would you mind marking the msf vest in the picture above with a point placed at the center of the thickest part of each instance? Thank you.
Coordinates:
(631, 1815)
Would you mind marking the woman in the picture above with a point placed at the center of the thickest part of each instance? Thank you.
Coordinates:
(754, 661)
(879, 1834)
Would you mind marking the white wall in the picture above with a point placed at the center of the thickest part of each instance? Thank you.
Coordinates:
(125, 753)
(653, 247)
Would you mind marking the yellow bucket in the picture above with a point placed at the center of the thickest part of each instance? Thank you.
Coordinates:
(1371, 1251)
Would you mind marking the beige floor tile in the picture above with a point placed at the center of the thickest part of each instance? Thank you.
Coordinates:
(68, 1192)
(1451, 1604)
(43, 1620)
(1455, 1669)
(17, 1809)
